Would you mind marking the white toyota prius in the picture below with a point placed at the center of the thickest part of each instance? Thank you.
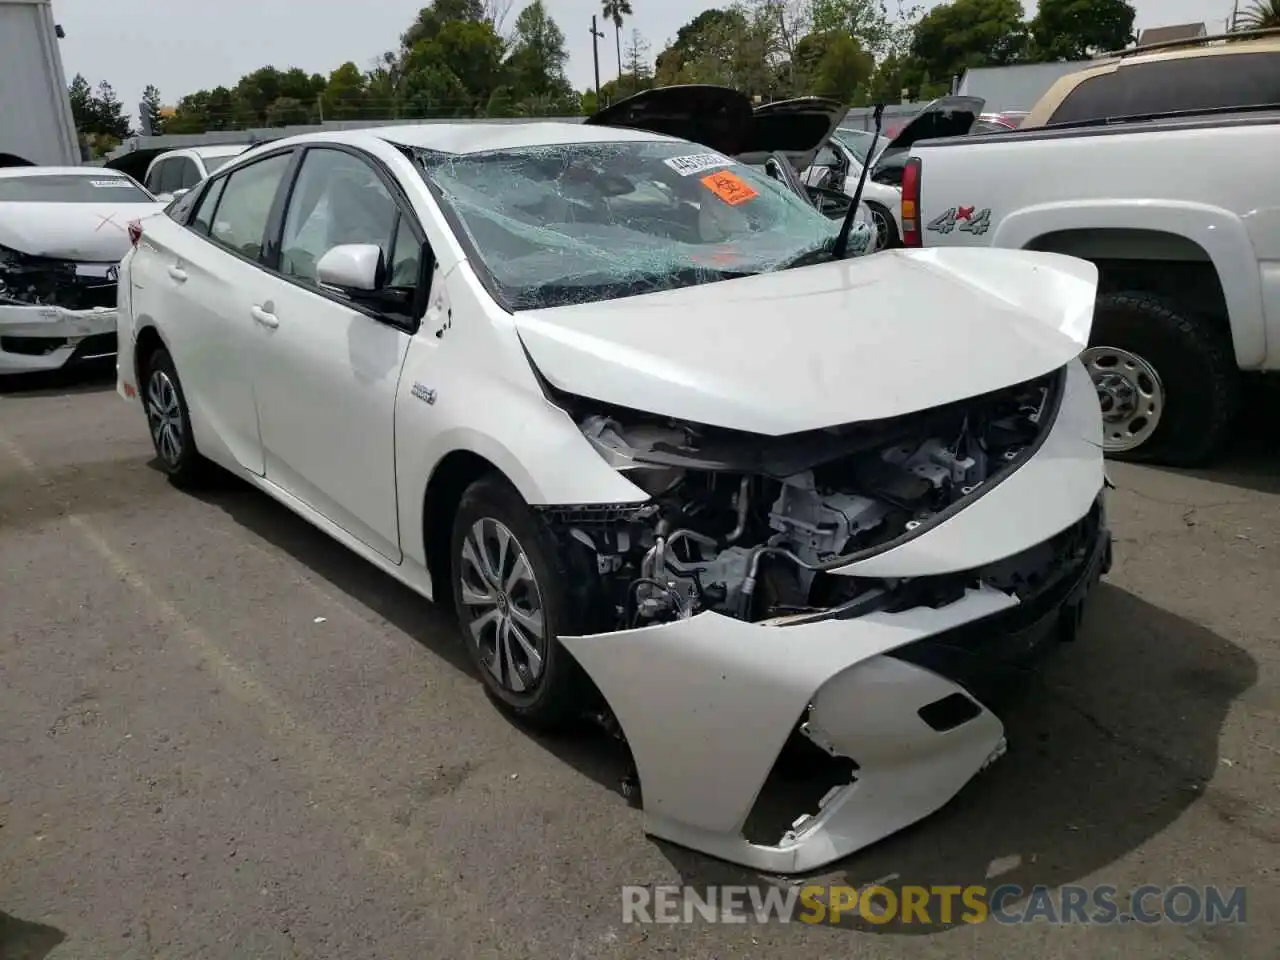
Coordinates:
(674, 457)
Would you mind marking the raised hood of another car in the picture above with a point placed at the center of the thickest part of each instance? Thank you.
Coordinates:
(855, 340)
(724, 119)
(944, 117)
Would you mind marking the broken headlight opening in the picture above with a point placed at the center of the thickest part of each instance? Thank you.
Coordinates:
(754, 527)
(29, 281)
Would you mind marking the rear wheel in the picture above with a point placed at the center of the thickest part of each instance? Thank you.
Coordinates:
(510, 597)
(170, 422)
(1168, 384)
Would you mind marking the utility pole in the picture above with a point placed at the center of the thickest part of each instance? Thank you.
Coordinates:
(596, 34)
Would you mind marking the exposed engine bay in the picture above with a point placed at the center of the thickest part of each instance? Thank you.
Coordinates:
(27, 281)
(756, 528)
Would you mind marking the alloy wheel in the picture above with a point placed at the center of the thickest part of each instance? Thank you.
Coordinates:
(502, 606)
(1130, 394)
(164, 414)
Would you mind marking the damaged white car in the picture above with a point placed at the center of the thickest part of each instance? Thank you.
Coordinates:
(627, 405)
(63, 231)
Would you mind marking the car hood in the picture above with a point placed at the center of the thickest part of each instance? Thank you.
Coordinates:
(820, 346)
(86, 232)
(723, 119)
(795, 128)
(944, 117)
(717, 117)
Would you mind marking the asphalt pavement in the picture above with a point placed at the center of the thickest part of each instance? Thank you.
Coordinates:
(224, 736)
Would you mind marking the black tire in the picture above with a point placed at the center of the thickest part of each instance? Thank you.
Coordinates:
(1197, 369)
(559, 695)
(891, 239)
(188, 468)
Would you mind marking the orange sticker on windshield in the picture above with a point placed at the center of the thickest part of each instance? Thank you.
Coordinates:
(729, 187)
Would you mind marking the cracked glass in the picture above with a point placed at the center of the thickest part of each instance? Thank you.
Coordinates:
(584, 222)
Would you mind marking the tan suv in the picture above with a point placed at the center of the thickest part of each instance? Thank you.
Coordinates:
(1162, 78)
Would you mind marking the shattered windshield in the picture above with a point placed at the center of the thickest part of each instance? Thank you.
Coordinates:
(576, 223)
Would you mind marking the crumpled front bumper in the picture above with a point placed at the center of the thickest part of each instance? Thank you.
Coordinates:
(36, 338)
(708, 703)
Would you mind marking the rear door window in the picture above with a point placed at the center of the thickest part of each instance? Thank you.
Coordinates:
(240, 220)
(1189, 84)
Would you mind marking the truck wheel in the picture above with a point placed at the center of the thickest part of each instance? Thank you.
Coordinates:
(511, 597)
(886, 228)
(1168, 385)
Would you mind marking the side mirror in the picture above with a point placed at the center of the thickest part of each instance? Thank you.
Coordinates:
(352, 268)
(166, 197)
(181, 192)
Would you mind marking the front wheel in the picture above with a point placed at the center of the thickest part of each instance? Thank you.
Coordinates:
(1167, 384)
(510, 594)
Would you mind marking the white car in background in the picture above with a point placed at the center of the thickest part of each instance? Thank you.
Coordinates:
(63, 231)
(172, 174)
(673, 459)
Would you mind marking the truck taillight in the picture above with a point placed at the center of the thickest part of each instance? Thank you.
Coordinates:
(911, 203)
(135, 231)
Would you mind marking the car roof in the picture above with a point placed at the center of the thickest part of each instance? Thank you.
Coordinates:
(463, 138)
(13, 172)
(218, 149)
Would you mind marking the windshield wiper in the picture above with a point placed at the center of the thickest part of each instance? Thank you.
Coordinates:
(809, 257)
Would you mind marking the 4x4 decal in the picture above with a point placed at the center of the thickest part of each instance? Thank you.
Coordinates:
(963, 218)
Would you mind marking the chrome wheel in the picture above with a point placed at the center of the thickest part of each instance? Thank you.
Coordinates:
(880, 221)
(164, 414)
(502, 606)
(1130, 394)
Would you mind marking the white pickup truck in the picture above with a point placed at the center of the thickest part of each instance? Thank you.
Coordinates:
(1160, 168)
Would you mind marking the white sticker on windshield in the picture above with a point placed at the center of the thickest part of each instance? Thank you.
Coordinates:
(113, 182)
(696, 163)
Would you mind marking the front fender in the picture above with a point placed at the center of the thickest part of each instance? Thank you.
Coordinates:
(1220, 233)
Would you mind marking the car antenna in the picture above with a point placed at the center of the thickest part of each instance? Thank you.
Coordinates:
(842, 241)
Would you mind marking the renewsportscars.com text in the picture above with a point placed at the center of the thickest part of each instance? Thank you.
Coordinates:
(1008, 904)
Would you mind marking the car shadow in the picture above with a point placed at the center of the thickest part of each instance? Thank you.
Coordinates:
(21, 940)
(1099, 762)
(429, 624)
(94, 377)
(1251, 458)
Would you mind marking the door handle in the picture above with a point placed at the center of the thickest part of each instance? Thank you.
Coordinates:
(264, 318)
(178, 274)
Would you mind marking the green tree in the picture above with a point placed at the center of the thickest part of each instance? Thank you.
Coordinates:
(953, 37)
(709, 35)
(639, 68)
(289, 111)
(535, 66)
(615, 11)
(346, 94)
(431, 20)
(150, 116)
(833, 65)
(81, 96)
(1261, 15)
(1075, 29)
(108, 113)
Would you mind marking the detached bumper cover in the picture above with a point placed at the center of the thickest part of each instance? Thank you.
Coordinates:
(34, 338)
(708, 703)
